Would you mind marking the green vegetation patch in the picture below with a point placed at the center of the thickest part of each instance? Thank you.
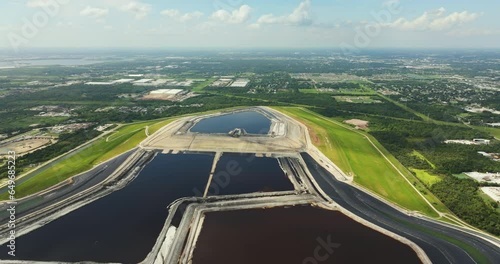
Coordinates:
(202, 85)
(310, 91)
(461, 176)
(463, 199)
(422, 157)
(427, 178)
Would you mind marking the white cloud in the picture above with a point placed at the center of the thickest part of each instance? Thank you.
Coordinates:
(140, 10)
(176, 14)
(237, 16)
(452, 20)
(301, 16)
(170, 12)
(94, 12)
(435, 20)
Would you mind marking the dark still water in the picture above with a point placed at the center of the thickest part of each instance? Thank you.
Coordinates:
(301, 234)
(246, 173)
(253, 123)
(123, 226)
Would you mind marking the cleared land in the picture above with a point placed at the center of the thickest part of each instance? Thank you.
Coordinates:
(25, 146)
(358, 99)
(355, 155)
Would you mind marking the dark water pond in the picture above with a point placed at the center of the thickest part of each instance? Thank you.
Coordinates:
(253, 123)
(123, 226)
(301, 234)
(246, 173)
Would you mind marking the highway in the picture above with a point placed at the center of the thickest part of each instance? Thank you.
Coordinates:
(430, 236)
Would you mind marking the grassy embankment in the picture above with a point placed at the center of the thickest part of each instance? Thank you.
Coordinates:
(472, 251)
(105, 148)
(354, 154)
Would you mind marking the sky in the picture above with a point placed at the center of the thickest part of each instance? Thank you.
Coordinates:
(346, 24)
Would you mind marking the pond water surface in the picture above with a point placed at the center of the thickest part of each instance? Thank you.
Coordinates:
(252, 121)
(124, 225)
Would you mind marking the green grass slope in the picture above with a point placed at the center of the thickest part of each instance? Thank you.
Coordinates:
(355, 155)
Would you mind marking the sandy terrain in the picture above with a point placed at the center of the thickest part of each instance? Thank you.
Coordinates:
(360, 124)
(25, 146)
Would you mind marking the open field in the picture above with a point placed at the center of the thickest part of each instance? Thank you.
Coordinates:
(354, 154)
(493, 131)
(427, 178)
(358, 99)
(25, 146)
(310, 91)
(200, 86)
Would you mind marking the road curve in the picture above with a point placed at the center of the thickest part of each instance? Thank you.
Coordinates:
(426, 234)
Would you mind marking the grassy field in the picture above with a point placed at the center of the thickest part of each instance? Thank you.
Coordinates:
(419, 185)
(493, 131)
(310, 91)
(462, 176)
(427, 178)
(105, 148)
(355, 155)
(200, 86)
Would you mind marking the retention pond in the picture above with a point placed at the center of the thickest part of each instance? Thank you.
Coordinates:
(123, 226)
(251, 121)
(246, 173)
(301, 234)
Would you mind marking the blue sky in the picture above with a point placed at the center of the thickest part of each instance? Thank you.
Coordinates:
(250, 23)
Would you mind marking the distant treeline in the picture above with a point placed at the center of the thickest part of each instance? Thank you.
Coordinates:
(461, 197)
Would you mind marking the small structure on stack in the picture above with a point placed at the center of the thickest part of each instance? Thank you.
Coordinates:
(237, 132)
